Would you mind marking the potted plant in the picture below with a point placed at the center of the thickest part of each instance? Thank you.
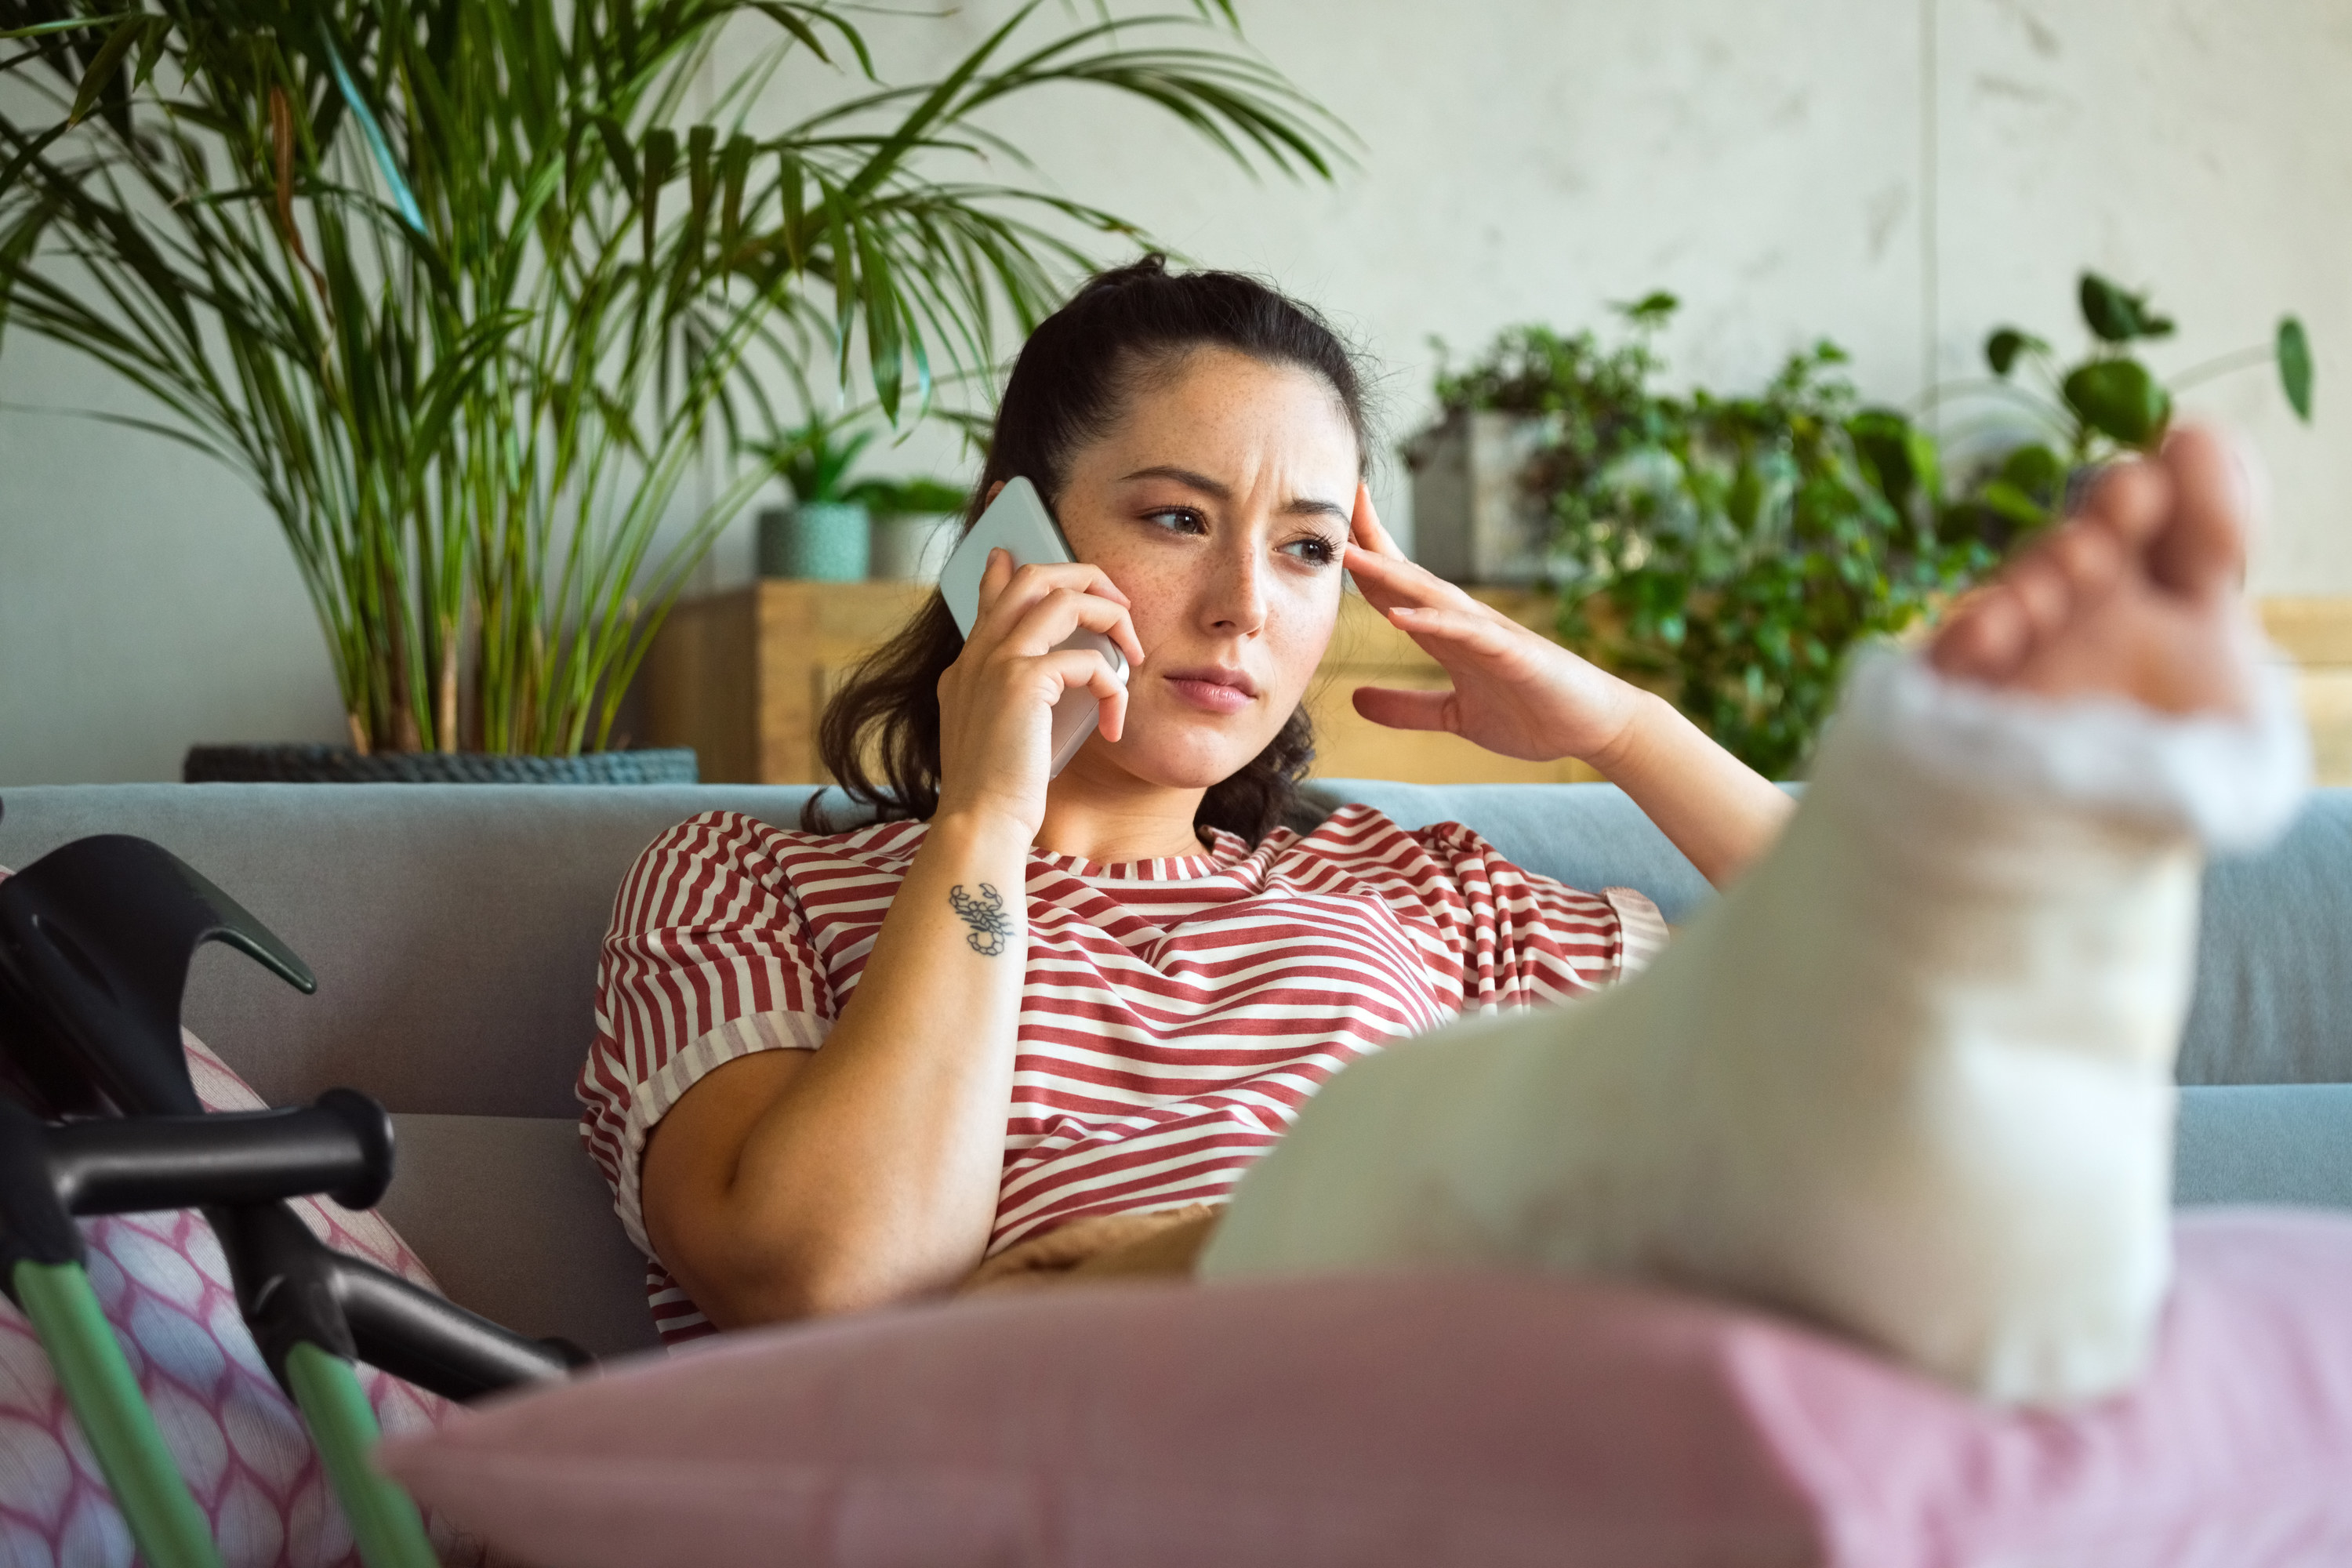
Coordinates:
(1731, 552)
(823, 534)
(466, 293)
(1728, 551)
(839, 529)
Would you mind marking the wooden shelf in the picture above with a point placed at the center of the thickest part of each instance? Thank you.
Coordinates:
(741, 677)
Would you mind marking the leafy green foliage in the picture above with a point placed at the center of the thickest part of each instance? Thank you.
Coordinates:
(911, 498)
(2293, 353)
(816, 459)
(2004, 347)
(467, 293)
(2119, 399)
(2105, 403)
(2117, 316)
(1732, 550)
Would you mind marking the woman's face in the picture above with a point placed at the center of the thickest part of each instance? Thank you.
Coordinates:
(1220, 505)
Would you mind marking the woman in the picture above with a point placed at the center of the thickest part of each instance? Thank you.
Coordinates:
(838, 1069)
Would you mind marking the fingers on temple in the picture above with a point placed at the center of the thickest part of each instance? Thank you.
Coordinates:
(1364, 527)
(1401, 709)
(1476, 632)
(1393, 582)
(1376, 571)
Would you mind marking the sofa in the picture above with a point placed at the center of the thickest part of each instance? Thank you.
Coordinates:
(454, 932)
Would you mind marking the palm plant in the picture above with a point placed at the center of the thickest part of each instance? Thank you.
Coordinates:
(466, 293)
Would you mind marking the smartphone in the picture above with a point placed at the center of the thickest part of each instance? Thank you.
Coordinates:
(1017, 521)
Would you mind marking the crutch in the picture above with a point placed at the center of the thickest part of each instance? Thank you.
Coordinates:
(51, 1172)
(95, 944)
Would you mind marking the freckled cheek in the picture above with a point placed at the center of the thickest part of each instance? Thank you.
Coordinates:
(1145, 595)
(1156, 601)
(1157, 620)
(1300, 630)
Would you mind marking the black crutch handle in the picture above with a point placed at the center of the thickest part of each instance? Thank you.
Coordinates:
(49, 1171)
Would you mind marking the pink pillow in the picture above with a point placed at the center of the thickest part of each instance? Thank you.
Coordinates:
(1472, 1419)
(165, 1284)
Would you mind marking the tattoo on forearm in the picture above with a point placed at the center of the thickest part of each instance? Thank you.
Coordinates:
(985, 914)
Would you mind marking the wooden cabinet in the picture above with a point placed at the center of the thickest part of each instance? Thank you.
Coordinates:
(741, 678)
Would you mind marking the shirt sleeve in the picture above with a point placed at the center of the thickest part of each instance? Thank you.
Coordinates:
(1532, 941)
(709, 957)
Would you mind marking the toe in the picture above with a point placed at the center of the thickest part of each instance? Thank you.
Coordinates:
(2132, 497)
(2039, 585)
(1984, 639)
(2090, 557)
(2202, 553)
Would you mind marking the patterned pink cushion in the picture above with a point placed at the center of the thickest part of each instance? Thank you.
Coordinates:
(165, 1288)
(1482, 1420)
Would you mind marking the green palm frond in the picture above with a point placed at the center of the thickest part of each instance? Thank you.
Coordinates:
(467, 295)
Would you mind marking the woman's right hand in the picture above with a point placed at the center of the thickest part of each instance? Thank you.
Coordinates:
(996, 700)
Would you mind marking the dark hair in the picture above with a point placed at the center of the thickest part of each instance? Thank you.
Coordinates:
(879, 736)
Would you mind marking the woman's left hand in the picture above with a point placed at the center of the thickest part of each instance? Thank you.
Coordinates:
(1514, 692)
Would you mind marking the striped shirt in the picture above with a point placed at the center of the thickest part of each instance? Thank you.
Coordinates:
(1176, 1012)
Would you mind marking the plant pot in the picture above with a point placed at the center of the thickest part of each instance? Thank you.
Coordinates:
(1473, 518)
(912, 549)
(341, 764)
(820, 541)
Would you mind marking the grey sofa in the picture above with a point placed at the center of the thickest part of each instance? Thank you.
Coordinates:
(454, 932)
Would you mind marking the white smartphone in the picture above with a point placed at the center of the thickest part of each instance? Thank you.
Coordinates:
(1017, 521)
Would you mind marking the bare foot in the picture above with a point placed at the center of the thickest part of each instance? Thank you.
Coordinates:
(2137, 595)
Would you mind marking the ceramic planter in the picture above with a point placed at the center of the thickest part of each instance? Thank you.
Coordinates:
(821, 541)
(912, 548)
(1474, 519)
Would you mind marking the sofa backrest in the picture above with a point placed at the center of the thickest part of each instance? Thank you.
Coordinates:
(2274, 998)
(454, 929)
(454, 932)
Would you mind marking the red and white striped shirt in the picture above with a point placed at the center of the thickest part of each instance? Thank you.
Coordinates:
(1176, 1012)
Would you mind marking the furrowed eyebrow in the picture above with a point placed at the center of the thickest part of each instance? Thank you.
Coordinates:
(1304, 505)
(1186, 477)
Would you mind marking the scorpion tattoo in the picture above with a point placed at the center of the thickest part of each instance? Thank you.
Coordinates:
(985, 914)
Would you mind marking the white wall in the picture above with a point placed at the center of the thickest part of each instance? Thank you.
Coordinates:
(1899, 174)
